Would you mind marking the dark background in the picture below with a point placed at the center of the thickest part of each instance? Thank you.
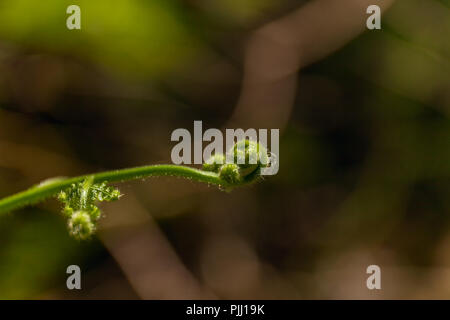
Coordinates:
(364, 154)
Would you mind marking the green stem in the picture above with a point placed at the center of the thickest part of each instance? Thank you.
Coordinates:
(51, 187)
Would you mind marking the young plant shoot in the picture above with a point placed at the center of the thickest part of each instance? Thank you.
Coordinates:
(80, 195)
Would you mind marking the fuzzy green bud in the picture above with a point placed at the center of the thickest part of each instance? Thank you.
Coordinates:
(80, 225)
(249, 156)
(230, 173)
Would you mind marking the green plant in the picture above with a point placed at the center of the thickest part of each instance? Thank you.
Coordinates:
(80, 195)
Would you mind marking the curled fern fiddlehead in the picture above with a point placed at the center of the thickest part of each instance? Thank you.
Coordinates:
(80, 195)
(80, 206)
(247, 159)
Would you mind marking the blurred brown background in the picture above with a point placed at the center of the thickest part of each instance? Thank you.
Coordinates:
(364, 147)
